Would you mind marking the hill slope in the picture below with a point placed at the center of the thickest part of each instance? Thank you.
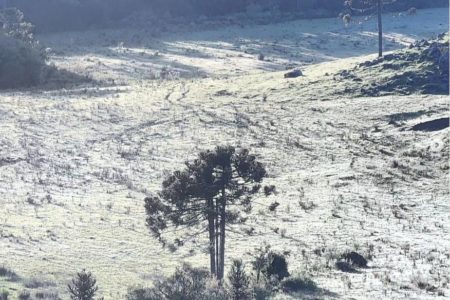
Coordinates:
(363, 174)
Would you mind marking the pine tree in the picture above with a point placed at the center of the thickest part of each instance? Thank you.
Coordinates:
(83, 286)
(239, 281)
(260, 261)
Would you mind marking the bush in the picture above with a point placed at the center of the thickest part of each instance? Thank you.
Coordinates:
(298, 284)
(277, 266)
(22, 59)
(8, 274)
(47, 295)
(24, 295)
(36, 283)
(271, 264)
(187, 283)
(355, 259)
(141, 293)
(20, 64)
(261, 292)
(344, 266)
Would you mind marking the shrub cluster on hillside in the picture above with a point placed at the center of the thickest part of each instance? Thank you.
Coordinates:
(271, 277)
(20, 65)
(22, 60)
(186, 283)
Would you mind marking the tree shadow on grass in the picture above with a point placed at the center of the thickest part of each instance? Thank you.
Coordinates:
(433, 125)
(305, 288)
(158, 66)
(52, 78)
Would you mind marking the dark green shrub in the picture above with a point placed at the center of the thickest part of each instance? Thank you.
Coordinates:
(24, 295)
(271, 264)
(187, 283)
(344, 266)
(355, 259)
(15, 26)
(20, 64)
(261, 292)
(277, 266)
(8, 274)
(22, 59)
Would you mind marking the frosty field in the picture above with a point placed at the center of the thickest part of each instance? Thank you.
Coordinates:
(350, 173)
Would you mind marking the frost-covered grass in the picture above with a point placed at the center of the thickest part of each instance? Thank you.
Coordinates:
(75, 166)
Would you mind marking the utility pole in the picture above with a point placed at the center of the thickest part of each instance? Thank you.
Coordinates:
(380, 29)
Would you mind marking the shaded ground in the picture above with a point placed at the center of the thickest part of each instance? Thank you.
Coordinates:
(434, 125)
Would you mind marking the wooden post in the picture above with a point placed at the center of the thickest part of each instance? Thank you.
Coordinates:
(380, 29)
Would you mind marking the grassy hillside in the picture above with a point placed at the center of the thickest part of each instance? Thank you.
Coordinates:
(353, 172)
(421, 68)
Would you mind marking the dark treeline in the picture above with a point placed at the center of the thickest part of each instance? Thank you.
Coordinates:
(53, 15)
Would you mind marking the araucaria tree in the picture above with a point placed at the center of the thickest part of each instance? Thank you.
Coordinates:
(212, 193)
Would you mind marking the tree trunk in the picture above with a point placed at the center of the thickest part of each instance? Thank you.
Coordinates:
(212, 234)
(223, 204)
(380, 29)
(217, 238)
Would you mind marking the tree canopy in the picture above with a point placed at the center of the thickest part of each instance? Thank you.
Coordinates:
(212, 193)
